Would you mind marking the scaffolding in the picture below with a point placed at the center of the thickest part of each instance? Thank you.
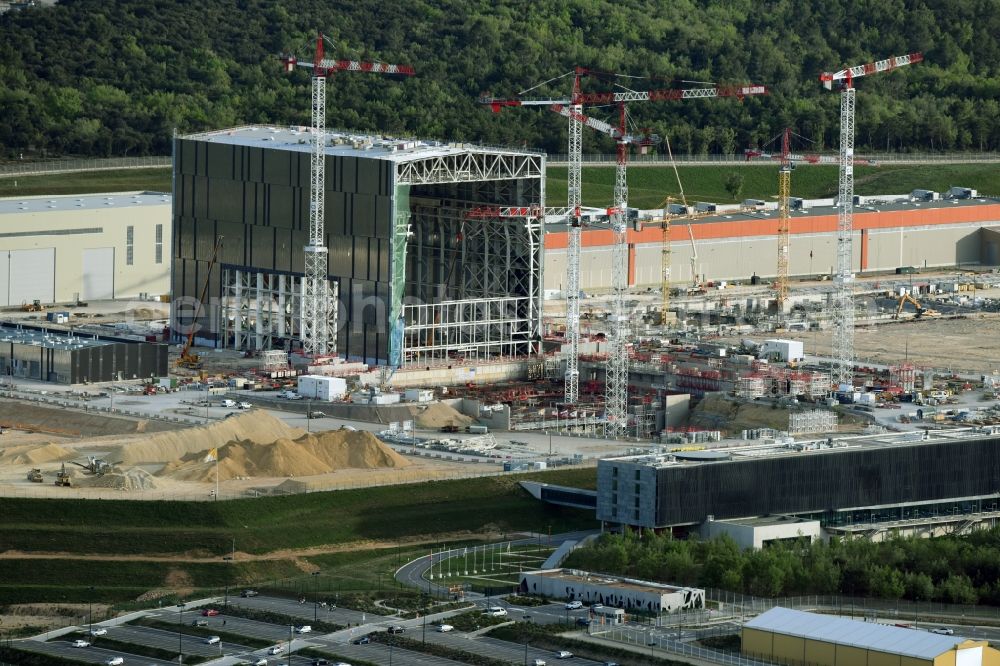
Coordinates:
(812, 421)
(260, 310)
(272, 360)
(903, 376)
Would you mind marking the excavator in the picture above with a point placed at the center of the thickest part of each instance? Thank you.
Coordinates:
(921, 311)
(189, 359)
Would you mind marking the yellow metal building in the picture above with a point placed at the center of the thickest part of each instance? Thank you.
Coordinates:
(797, 638)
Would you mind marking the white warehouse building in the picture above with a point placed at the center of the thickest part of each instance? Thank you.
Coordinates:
(626, 593)
(60, 249)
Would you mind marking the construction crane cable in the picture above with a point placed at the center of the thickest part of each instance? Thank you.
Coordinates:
(561, 76)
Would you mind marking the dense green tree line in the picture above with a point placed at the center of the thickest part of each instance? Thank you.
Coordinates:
(116, 78)
(948, 569)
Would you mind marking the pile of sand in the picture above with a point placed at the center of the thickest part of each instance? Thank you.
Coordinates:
(254, 426)
(134, 478)
(439, 414)
(33, 454)
(305, 456)
(717, 412)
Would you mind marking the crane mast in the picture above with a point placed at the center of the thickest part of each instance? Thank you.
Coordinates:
(843, 300)
(316, 301)
(319, 303)
(784, 220)
(574, 201)
(616, 381)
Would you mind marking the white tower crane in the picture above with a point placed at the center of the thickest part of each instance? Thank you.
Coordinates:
(843, 304)
(319, 306)
(617, 370)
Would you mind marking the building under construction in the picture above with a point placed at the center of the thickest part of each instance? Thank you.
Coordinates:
(426, 273)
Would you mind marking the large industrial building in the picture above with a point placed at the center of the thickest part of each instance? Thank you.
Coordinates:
(426, 268)
(65, 357)
(87, 247)
(889, 232)
(797, 638)
(853, 480)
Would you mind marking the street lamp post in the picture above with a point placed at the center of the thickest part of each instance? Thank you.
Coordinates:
(180, 634)
(90, 610)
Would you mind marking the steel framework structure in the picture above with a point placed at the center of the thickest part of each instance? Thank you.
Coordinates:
(843, 302)
(259, 308)
(316, 296)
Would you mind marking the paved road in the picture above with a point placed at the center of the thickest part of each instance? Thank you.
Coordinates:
(88, 655)
(411, 574)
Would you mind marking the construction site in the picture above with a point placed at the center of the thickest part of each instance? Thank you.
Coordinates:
(434, 296)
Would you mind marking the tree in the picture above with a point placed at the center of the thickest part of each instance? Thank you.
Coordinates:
(734, 184)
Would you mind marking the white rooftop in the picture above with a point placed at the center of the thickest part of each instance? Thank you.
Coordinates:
(353, 144)
(47, 204)
(854, 633)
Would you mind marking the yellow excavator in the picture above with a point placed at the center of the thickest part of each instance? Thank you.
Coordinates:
(921, 311)
(189, 359)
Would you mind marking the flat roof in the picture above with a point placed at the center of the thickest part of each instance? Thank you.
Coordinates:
(345, 143)
(865, 635)
(48, 204)
(767, 521)
(576, 576)
(786, 447)
(815, 211)
(49, 339)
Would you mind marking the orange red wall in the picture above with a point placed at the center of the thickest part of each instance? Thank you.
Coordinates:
(799, 225)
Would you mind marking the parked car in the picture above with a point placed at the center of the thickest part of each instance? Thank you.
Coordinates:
(364, 640)
(496, 611)
(538, 662)
(99, 631)
(395, 629)
(275, 649)
(249, 593)
(115, 661)
(304, 629)
(260, 662)
(583, 622)
(210, 612)
(200, 622)
(80, 643)
(944, 631)
(445, 627)
(245, 405)
(212, 640)
(574, 605)
(564, 654)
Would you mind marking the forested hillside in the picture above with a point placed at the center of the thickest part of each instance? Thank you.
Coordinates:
(106, 77)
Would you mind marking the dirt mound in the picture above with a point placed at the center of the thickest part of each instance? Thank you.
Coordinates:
(716, 412)
(253, 426)
(134, 478)
(30, 454)
(440, 414)
(69, 422)
(307, 455)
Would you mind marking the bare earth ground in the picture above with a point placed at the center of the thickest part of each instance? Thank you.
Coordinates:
(969, 345)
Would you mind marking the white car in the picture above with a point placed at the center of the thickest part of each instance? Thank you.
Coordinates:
(115, 661)
(564, 654)
(574, 605)
(277, 649)
(538, 662)
(445, 627)
(80, 643)
(496, 611)
(944, 631)
(304, 629)
(100, 631)
(244, 405)
(212, 640)
(260, 662)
